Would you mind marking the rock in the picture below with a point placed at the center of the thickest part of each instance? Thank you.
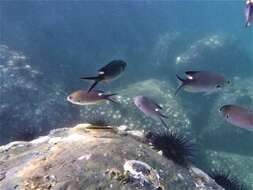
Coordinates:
(238, 165)
(240, 93)
(214, 52)
(75, 158)
(165, 47)
(223, 145)
(28, 100)
(127, 113)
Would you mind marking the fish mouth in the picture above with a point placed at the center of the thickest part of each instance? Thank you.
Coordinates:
(69, 99)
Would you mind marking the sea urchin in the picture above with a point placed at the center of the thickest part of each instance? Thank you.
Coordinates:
(99, 121)
(173, 146)
(227, 181)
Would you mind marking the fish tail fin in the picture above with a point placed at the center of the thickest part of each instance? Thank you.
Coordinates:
(181, 80)
(97, 79)
(111, 98)
(93, 85)
(247, 24)
(163, 122)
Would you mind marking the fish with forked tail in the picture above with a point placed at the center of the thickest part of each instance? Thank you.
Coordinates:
(82, 97)
(150, 108)
(109, 72)
(238, 116)
(202, 81)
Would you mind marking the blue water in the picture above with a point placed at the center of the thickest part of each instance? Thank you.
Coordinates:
(66, 40)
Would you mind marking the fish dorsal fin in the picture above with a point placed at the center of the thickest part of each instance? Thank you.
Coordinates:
(192, 73)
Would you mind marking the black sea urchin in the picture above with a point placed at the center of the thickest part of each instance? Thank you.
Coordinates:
(228, 182)
(99, 121)
(173, 146)
(25, 135)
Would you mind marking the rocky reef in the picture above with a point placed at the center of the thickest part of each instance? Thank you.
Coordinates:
(214, 52)
(221, 52)
(90, 157)
(30, 105)
(224, 145)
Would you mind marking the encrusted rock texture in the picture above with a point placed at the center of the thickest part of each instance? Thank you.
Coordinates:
(76, 158)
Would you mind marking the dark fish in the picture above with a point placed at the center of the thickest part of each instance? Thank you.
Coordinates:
(238, 116)
(82, 97)
(150, 108)
(202, 81)
(109, 72)
(248, 12)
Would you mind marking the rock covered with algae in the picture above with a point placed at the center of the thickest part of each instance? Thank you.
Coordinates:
(127, 113)
(84, 157)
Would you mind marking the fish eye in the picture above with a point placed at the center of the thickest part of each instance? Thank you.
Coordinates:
(70, 97)
(218, 86)
(227, 116)
(79, 100)
(228, 82)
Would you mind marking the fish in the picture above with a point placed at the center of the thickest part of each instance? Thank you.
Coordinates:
(202, 81)
(108, 73)
(82, 97)
(150, 108)
(238, 116)
(248, 12)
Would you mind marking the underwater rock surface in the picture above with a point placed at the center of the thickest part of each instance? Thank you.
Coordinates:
(212, 52)
(237, 165)
(28, 101)
(239, 93)
(127, 113)
(227, 146)
(78, 158)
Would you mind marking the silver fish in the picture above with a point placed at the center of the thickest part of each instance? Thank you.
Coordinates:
(202, 81)
(109, 72)
(81, 97)
(238, 116)
(248, 12)
(150, 108)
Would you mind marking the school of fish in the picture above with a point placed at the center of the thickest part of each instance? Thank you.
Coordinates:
(202, 81)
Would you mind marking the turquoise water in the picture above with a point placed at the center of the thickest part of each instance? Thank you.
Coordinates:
(45, 47)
